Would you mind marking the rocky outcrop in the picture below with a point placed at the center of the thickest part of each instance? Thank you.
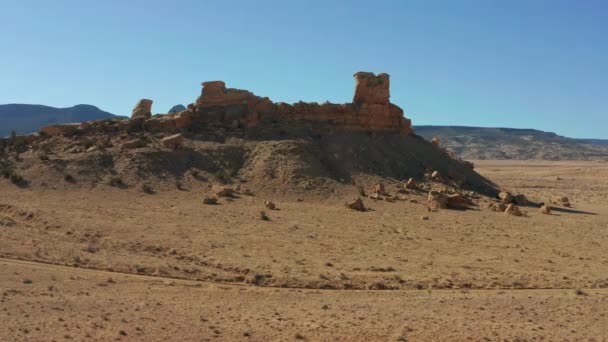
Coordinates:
(143, 109)
(173, 141)
(371, 89)
(218, 106)
(371, 110)
(64, 129)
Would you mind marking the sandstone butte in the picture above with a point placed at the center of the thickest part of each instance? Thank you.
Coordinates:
(371, 111)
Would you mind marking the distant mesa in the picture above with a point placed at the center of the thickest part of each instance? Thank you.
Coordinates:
(475, 143)
(176, 109)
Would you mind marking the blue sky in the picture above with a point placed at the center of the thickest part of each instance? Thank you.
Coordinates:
(518, 63)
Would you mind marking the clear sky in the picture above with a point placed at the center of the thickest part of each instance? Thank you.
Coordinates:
(509, 63)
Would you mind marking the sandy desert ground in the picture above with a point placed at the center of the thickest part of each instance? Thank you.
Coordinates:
(115, 264)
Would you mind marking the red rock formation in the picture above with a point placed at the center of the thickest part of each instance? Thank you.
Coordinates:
(371, 110)
(371, 89)
(217, 105)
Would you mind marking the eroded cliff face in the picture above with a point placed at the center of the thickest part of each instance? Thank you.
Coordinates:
(370, 111)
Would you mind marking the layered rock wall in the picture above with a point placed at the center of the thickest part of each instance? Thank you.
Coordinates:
(370, 111)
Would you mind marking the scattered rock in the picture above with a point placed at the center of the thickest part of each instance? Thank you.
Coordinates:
(514, 210)
(456, 201)
(435, 176)
(92, 149)
(270, 205)
(223, 191)
(437, 200)
(505, 197)
(424, 218)
(497, 206)
(435, 141)
(411, 184)
(7, 222)
(134, 143)
(210, 200)
(545, 209)
(379, 189)
(356, 205)
(246, 192)
(564, 201)
(375, 197)
(173, 141)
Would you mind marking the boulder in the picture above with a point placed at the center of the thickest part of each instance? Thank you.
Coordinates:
(379, 189)
(435, 176)
(134, 143)
(143, 109)
(437, 200)
(246, 192)
(545, 209)
(456, 201)
(210, 200)
(563, 201)
(514, 210)
(497, 206)
(435, 141)
(270, 205)
(505, 197)
(411, 184)
(356, 205)
(173, 141)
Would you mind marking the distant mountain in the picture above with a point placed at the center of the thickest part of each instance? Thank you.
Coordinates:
(26, 118)
(513, 143)
(177, 108)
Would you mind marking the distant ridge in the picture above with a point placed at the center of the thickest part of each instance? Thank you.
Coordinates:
(28, 118)
(513, 143)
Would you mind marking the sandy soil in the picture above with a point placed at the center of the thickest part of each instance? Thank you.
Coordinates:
(181, 270)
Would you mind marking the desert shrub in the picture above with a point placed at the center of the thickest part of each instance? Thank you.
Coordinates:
(264, 216)
(44, 157)
(5, 173)
(362, 192)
